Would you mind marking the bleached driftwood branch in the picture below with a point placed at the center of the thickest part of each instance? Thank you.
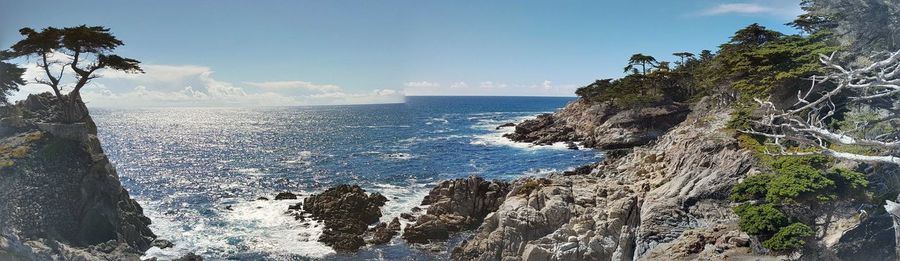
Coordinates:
(808, 122)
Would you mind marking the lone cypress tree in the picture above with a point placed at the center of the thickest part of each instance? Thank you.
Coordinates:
(88, 49)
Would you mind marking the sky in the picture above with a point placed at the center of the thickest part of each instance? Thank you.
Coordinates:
(262, 53)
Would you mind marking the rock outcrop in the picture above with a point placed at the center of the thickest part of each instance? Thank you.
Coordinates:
(347, 212)
(601, 125)
(666, 200)
(631, 207)
(61, 195)
(456, 205)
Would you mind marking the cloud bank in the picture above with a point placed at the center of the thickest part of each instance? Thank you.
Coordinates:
(488, 88)
(778, 8)
(196, 86)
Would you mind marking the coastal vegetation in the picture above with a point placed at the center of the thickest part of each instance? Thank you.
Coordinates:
(792, 107)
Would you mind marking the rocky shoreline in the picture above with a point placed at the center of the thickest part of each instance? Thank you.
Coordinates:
(63, 198)
(662, 194)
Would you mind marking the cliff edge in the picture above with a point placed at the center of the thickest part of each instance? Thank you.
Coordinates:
(62, 197)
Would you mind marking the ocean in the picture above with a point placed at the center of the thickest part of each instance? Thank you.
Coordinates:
(198, 171)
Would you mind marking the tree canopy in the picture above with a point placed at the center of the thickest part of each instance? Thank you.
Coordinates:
(89, 49)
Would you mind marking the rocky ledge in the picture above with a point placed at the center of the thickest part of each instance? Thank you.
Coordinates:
(601, 125)
(456, 205)
(62, 198)
(347, 212)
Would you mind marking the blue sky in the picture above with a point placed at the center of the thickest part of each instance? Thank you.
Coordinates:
(333, 52)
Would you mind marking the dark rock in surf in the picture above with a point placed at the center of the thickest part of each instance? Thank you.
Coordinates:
(506, 125)
(383, 232)
(347, 212)
(285, 195)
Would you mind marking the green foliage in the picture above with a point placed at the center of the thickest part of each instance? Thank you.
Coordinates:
(10, 80)
(752, 188)
(760, 219)
(790, 237)
(90, 47)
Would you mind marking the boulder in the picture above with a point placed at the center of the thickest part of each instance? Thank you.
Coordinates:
(347, 211)
(456, 205)
(383, 232)
(162, 243)
(601, 125)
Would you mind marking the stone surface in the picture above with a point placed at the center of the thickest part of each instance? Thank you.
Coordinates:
(627, 206)
(61, 195)
(456, 205)
(346, 211)
(599, 125)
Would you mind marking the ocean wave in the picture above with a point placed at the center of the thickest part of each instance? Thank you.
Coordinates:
(261, 225)
(401, 199)
(302, 158)
(251, 171)
(415, 140)
(378, 126)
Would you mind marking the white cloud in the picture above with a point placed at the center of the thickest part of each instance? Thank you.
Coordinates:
(787, 9)
(492, 85)
(422, 84)
(492, 88)
(457, 85)
(295, 85)
(192, 85)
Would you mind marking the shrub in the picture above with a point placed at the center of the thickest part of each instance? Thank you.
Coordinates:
(752, 188)
(760, 219)
(790, 237)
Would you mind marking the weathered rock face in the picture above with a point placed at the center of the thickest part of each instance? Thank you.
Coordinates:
(601, 125)
(347, 212)
(627, 208)
(58, 185)
(456, 205)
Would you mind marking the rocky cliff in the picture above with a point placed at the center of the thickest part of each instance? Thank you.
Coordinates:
(667, 200)
(601, 125)
(62, 199)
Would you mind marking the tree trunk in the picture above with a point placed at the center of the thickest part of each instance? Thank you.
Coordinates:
(72, 109)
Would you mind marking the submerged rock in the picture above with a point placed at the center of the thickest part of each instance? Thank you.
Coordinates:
(162, 243)
(456, 205)
(285, 195)
(346, 211)
(506, 125)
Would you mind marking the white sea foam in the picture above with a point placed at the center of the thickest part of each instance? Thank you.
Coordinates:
(251, 171)
(401, 199)
(261, 225)
(495, 136)
(378, 126)
(302, 158)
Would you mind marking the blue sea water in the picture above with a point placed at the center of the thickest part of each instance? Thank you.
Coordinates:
(198, 171)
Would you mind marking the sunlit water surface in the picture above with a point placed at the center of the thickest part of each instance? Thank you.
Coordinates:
(189, 166)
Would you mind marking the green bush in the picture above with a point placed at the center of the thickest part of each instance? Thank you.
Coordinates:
(790, 237)
(752, 188)
(760, 219)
